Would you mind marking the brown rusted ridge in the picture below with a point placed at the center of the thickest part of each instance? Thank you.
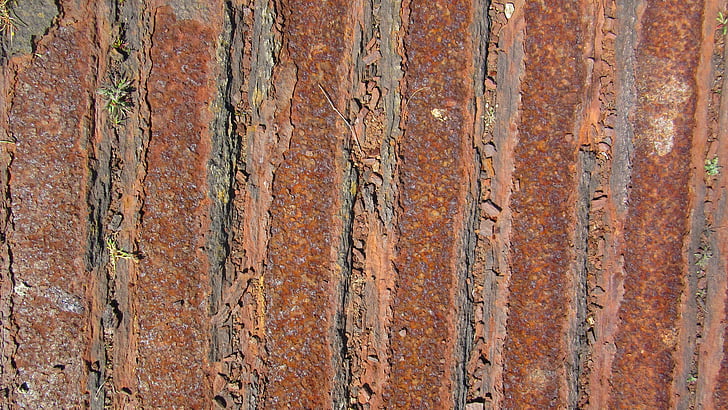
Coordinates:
(49, 119)
(712, 383)
(173, 285)
(303, 277)
(386, 204)
(538, 361)
(657, 217)
(435, 165)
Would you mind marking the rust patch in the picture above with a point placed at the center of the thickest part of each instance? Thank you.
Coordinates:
(173, 286)
(435, 158)
(351, 278)
(542, 286)
(657, 219)
(302, 283)
(508, 70)
(48, 186)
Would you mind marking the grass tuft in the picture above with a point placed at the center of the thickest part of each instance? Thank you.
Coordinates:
(7, 21)
(118, 99)
(711, 167)
(722, 22)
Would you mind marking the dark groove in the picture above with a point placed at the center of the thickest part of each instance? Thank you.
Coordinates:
(626, 99)
(220, 179)
(480, 33)
(577, 333)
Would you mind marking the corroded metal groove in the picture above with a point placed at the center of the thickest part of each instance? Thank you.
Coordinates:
(364, 204)
(538, 361)
(657, 215)
(436, 156)
(173, 283)
(49, 119)
(302, 282)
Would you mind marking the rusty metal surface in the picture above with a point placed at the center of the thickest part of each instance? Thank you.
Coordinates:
(173, 284)
(438, 269)
(433, 181)
(48, 188)
(657, 217)
(301, 282)
(543, 202)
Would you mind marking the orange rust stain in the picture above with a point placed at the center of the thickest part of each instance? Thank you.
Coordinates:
(543, 208)
(173, 283)
(48, 187)
(432, 183)
(301, 281)
(658, 214)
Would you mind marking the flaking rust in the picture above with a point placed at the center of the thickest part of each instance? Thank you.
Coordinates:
(656, 221)
(387, 204)
(303, 277)
(48, 187)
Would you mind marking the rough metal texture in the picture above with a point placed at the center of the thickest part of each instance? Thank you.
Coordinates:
(302, 278)
(49, 119)
(657, 216)
(436, 155)
(543, 205)
(565, 248)
(173, 287)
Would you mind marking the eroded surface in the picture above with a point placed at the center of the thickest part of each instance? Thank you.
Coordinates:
(656, 223)
(543, 205)
(173, 286)
(48, 186)
(433, 178)
(302, 293)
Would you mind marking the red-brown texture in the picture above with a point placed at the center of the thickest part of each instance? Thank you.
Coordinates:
(303, 278)
(657, 217)
(596, 364)
(715, 389)
(694, 320)
(173, 285)
(538, 360)
(529, 222)
(436, 161)
(238, 315)
(377, 72)
(50, 120)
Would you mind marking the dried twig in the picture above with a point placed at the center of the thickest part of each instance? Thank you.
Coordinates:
(406, 102)
(348, 124)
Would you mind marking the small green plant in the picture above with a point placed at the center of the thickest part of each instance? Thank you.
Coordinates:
(722, 22)
(115, 253)
(7, 21)
(118, 99)
(489, 115)
(702, 257)
(711, 167)
(691, 379)
(121, 45)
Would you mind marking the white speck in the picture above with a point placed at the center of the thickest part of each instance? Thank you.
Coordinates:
(663, 135)
(509, 9)
(439, 114)
(21, 289)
